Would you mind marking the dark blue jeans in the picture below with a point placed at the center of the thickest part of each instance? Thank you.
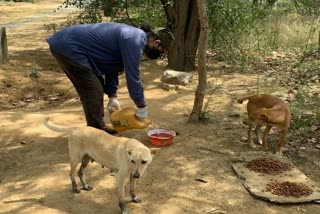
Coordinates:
(89, 87)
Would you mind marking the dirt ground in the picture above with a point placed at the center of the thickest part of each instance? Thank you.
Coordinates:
(193, 175)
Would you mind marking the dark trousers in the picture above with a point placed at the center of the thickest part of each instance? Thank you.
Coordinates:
(89, 88)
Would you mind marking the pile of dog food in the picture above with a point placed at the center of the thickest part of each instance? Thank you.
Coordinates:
(289, 189)
(268, 166)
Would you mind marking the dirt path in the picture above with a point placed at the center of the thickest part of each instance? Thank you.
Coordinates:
(193, 175)
(25, 13)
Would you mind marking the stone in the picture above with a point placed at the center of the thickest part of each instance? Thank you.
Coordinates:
(176, 77)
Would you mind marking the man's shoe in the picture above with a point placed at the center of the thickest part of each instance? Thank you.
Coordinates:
(110, 131)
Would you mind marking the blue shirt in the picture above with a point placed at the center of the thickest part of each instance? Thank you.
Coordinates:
(106, 49)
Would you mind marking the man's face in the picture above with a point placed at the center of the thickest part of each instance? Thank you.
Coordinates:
(154, 49)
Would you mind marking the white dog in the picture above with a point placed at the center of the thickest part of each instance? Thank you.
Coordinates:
(127, 156)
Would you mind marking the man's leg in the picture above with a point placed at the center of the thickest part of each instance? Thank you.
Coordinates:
(89, 89)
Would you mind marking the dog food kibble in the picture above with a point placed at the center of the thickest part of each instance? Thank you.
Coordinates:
(289, 189)
(268, 166)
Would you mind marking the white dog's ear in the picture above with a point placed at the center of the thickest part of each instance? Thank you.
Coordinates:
(154, 150)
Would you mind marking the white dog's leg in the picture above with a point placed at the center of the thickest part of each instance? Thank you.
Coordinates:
(73, 168)
(120, 183)
(85, 161)
(134, 197)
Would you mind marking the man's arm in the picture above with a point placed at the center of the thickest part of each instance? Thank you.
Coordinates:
(110, 87)
(131, 51)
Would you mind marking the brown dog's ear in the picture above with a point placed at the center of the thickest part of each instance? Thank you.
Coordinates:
(154, 150)
(264, 117)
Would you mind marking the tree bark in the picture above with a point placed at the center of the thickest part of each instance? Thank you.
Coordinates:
(168, 9)
(4, 55)
(107, 7)
(182, 55)
(319, 44)
(202, 71)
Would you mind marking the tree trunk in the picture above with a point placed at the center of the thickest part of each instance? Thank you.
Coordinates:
(202, 71)
(182, 55)
(168, 9)
(4, 55)
(319, 44)
(107, 7)
(270, 3)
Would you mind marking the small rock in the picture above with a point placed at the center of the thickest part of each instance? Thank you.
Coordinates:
(41, 201)
(168, 87)
(211, 137)
(28, 100)
(29, 96)
(201, 180)
(53, 98)
(21, 103)
(227, 127)
(243, 139)
(312, 140)
(216, 210)
(301, 210)
(176, 77)
(234, 115)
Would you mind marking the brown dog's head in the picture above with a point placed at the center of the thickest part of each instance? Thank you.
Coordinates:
(140, 157)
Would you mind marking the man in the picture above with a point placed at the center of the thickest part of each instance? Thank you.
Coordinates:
(92, 55)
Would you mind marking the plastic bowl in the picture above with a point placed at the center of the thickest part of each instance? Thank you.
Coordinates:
(161, 137)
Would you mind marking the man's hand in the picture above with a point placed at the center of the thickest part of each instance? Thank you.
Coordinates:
(113, 104)
(142, 113)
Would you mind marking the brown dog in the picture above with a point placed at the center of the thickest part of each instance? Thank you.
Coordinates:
(270, 111)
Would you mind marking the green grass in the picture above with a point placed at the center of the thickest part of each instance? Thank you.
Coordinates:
(306, 111)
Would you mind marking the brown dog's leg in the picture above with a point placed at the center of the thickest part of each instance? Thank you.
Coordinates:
(265, 136)
(257, 132)
(251, 144)
(85, 161)
(134, 197)
(281, 141)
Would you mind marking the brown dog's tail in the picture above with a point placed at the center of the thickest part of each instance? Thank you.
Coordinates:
(54, 127)
(243, 99)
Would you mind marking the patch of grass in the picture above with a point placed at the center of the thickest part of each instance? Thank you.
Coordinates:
(267, 85)
(289, 31)
(277, 32)
(305, 111)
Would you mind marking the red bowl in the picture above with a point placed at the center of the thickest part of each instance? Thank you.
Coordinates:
(161, 137)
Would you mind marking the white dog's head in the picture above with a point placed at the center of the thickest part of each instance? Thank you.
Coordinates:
(140, 156)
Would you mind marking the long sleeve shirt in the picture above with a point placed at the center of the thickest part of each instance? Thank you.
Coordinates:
(106, 49)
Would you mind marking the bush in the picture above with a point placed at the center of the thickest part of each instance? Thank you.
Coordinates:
(229, 20)
(135, 13)
(305, 110)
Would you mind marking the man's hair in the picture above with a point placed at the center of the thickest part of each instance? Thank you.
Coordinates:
(146, 27)
(166, 38)
(151, 53)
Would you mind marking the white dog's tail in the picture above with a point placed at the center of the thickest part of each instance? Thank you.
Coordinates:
(54, 127)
